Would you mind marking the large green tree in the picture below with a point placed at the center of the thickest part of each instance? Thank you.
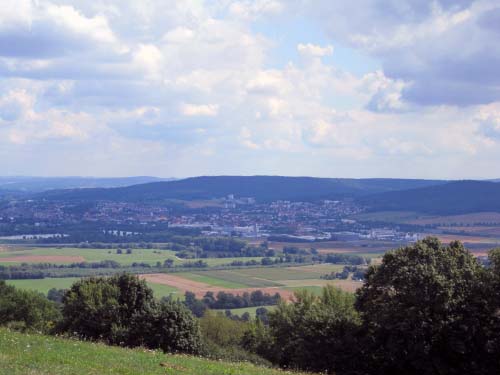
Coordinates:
(427, 309)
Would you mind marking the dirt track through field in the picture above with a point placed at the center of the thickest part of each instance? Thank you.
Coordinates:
(43, 259)
(199, 289)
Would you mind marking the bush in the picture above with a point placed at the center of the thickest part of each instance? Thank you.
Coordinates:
(27, 310)
(312, 333)
(122, 311)
(222, 339)
(172, 328)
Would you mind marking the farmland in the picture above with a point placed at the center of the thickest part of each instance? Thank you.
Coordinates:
(283, 280)
(60, 255)
(44, 285)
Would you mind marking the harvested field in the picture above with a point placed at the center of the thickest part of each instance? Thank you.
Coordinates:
(43, 259)
(199, 289)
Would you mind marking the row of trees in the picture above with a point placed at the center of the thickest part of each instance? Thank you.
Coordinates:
(227, 301)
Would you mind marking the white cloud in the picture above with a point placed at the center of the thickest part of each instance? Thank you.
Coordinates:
(253, 9)
(15, 105)
(312, 50)
(200, 110)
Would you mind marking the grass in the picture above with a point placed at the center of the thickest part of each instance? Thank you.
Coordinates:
(44, 285)
(22, 354)
(161, 290)
(150, 256)
(210, 280)
(238, 277)
(262, 277)
(289, 273)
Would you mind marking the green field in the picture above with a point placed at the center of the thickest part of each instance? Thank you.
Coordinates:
(44, 285)
(149, 256)
(22, 354)
(238, 277)
(290, 273)
(260, 277)
(203, 277)
(161, 290)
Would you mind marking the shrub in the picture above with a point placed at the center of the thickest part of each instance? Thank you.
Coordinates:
(27, 310)
(121, 310)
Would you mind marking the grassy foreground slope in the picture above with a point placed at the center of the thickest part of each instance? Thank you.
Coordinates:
(22, 354)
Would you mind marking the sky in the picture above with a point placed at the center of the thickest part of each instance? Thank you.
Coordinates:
(330, 88)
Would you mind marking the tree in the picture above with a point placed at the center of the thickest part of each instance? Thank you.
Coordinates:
(423, 311)
(196, 306)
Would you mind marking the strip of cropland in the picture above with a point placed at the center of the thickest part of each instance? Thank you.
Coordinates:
(282, 280)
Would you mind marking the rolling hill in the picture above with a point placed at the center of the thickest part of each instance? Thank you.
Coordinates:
(455, 197)
(262, 188)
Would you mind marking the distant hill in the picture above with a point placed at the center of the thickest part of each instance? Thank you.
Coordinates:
(38, 184)
(451, 198)
(262, 188)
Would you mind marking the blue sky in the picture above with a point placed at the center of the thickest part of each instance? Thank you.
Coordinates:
(334, 88)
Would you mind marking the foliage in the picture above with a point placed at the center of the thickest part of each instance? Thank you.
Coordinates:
(314, 333)
(223, 337)
(223, 300)
(26, 310)
(121, 310)
(426, 310)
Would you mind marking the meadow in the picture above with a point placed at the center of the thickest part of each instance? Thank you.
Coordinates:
(44, 285)
(33, 354)
(59, 255)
